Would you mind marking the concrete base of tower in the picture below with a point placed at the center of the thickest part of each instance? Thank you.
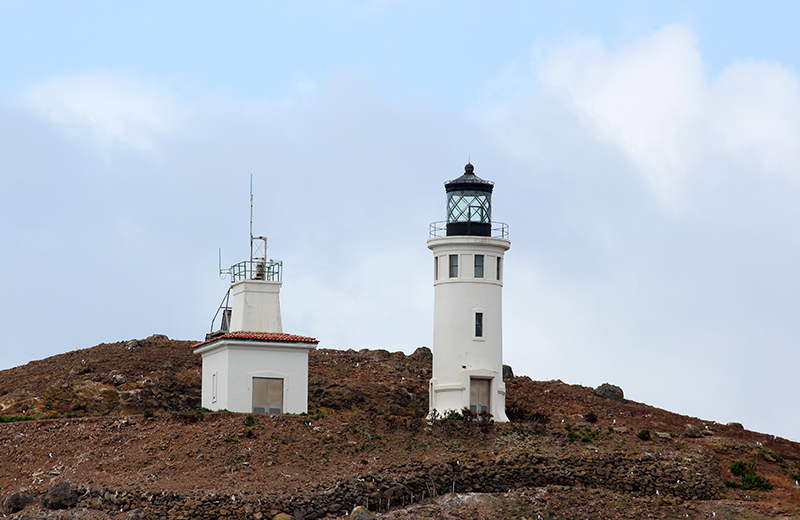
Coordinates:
(479, 390)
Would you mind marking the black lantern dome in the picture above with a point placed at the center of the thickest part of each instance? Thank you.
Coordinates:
(469, 205)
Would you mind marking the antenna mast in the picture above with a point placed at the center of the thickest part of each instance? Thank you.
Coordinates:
(251, 216)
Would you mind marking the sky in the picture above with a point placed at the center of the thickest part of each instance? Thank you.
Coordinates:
(646, 157)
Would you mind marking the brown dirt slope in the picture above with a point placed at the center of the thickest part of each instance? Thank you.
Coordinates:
(365, 442)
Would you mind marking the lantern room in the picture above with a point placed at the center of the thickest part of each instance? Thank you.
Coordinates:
(469, 205)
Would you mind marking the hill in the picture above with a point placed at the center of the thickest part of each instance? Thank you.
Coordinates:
(116, 421)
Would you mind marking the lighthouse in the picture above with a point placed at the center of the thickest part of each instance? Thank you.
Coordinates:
(468, 251)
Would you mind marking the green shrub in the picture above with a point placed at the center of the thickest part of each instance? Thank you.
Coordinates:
(750, 479)
(149, 413)
(16, 418)
(249, 434)
(644, 435)
(249, 420)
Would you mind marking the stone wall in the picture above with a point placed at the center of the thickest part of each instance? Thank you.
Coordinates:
(690, 478)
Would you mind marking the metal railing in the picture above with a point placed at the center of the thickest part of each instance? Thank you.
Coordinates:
(257, 270)
(439, 229)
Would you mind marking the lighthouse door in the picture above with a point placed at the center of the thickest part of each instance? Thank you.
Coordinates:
(267, 395)
(479, 395)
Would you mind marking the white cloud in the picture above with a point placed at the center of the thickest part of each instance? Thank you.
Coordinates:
(646, 98)
(754, 110)
(653, 101)
(112, 109)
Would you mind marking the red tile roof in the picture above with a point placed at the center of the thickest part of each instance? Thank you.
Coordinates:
(260, 336)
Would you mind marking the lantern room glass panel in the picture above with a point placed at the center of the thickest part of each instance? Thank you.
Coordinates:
(469, 206)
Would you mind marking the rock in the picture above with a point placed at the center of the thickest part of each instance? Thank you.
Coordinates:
(610, 391)
(708, 433)
(362, 513)
(692, 431)
(282, 516)
(663, 435)
(60, 496)
(136, 514)
(508, 373)
(735, 425)
(621, 430)
(157, 338)
(16, 502)
(422, 355)
(582, 424)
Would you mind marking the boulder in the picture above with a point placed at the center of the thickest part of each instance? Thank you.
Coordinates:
(16, 502)
(508, 373)
(422, 355)
(60, 496)
(362, 513)
(136, 514)
(737, 425)
(610, 391)
(692, 431)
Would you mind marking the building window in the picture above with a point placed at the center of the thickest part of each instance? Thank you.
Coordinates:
(478, 324)
(267, 395)
(214, 387)
(435, 267)
(479, 390)
(453, 266)
(499, 263)
(478, 266)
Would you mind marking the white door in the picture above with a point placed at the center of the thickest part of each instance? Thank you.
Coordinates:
(479, 395)
(267, 395)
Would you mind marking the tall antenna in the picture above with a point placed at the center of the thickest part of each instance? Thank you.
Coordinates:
(251, 216)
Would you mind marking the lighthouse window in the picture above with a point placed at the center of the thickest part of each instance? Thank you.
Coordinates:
(478, 324)
(435, 267)
(478, 266)
(499, 261)
(453, 266)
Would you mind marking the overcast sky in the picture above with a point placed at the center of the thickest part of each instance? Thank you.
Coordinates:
(645, 156)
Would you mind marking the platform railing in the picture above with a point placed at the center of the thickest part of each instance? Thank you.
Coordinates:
(270, 270)
(439, 229)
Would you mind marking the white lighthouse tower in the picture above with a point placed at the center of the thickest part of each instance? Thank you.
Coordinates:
(468, 301)
(250, 365)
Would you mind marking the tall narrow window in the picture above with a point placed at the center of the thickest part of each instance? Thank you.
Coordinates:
(478, 324)
(214, 387)
(478, 266)
(499, 263)
(435, 267)
(453, 266)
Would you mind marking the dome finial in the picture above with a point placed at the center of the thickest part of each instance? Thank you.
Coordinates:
(469, 169)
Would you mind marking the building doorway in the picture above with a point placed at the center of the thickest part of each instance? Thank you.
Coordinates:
(479, 395)
(267, 395)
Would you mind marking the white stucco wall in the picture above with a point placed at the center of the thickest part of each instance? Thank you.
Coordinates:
(256, 306)
(458, 354)
(237, 362)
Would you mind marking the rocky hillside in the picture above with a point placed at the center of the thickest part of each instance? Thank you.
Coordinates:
(119, 423)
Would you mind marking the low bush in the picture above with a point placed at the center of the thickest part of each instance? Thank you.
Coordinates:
(750, 479)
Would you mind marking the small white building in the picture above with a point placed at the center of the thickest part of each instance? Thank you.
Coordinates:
(250, 365)
(468, 306)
